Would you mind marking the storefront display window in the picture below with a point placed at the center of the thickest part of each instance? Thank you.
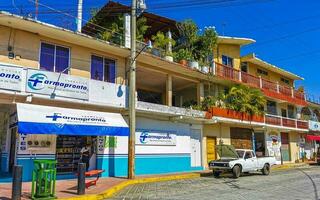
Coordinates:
(71, 150)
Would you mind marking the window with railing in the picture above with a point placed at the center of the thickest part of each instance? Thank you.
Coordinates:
(54, 58)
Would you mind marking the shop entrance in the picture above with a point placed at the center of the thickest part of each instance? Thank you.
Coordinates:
(211, 148)
(259, 142)
(285, 152)
(70, 150)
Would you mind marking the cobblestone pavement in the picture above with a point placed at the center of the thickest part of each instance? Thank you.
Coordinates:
(291, 184)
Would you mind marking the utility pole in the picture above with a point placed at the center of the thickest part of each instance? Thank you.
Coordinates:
(79, 18)
(132, 94)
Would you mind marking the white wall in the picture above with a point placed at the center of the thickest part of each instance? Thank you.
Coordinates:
(181, 130)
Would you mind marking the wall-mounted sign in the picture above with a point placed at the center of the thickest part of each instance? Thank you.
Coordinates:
(314, 126)
(56, 84)
(146, 137)
(11, 77)
(273, 145)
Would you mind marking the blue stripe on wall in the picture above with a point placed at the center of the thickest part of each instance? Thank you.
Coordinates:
(70, 129)
(4, 162)
(117, 165)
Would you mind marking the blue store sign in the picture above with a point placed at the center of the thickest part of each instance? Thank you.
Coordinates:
(146, 137)
(50, 83)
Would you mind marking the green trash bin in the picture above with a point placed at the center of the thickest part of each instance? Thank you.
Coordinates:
(44, 179)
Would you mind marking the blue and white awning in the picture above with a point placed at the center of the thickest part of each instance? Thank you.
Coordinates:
(36, 119)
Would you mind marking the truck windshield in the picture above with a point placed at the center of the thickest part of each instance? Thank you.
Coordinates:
(240, 153)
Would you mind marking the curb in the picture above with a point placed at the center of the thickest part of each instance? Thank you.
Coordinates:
(111, 191)
(289, 166)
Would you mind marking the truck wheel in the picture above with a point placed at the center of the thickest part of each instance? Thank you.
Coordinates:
(236, 171)
(216, 174)
(266, 169)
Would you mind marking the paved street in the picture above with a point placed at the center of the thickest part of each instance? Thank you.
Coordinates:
(292, 184)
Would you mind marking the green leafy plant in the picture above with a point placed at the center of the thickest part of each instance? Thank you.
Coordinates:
(142, 28)
(200, 44)
(161, 41)
(207, 41)
(182, 54)
(188, 32)
(190, 104)
(244, 99)
(114, 29)
(208, 102)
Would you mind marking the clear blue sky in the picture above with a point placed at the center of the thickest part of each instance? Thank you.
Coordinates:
(287, 31)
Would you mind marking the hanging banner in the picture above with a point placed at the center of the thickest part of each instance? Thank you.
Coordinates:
(146, 137)
(56, 84)
(11, 77)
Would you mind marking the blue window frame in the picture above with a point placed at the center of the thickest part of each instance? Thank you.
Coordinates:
(228, 61)
(54, 58)
(103, 69)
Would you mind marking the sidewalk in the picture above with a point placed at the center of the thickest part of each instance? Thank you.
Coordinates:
(64, 188)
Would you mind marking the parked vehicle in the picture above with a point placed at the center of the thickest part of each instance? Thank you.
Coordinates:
(239, 161)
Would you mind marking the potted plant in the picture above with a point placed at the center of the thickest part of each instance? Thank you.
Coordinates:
(204, 46)
(188, 32)
(161, 41)
(182, 56)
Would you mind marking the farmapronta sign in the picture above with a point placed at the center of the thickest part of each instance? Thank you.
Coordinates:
(50, 83)
(11, 77)
(146, 137)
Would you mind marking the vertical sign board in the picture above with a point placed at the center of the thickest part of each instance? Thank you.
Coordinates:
(127, 30)
(273, 146)
(11, 77)
(146, 137)
(63, 85)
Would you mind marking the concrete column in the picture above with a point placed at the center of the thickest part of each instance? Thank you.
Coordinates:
(200, 92)
(169, 90)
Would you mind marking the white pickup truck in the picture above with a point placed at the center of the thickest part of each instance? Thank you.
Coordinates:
(238, 161)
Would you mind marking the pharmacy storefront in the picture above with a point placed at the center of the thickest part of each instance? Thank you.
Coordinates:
(43, 132)
(30, 131)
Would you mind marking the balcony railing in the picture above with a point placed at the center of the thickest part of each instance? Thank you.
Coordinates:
(267, 119)
(285, 122)
(227, 72)
(271, 89)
